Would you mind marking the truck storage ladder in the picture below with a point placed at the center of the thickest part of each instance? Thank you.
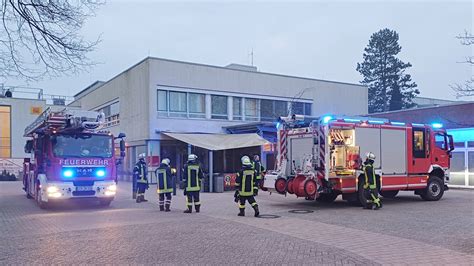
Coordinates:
(47, 120)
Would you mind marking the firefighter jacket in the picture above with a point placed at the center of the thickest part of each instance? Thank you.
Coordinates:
(246, 181)
(140, 172)
(369, 173)
(164, 179)
(192, 175)
(259, 169)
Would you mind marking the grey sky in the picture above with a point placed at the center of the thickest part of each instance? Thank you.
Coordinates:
(310, 39)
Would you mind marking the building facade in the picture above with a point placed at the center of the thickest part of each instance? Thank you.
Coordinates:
(159, 95)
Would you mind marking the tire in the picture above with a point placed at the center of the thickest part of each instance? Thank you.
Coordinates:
(389, 194)
(327, 198)
(434, 190)
(43, 205)
(105, 202)
(362, 199)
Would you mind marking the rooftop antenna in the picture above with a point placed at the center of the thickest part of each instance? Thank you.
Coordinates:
(251, 57)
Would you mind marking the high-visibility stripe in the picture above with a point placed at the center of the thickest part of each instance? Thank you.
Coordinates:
(197, 203)
(191, 169)
(241, 206)
(254, 204)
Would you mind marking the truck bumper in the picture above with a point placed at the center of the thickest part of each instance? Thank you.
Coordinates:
(67, 190)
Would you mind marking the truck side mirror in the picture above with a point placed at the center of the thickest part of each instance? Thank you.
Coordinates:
(121, 136)
(451, 143)
(28, 146)
(122, 148)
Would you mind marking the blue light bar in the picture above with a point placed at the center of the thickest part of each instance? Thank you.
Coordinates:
(417, 125)
(100, 173)
(398, 123)
(68, 173)
(278, 125)
(326, 119)
(351, 120)
(376, 122)
(437, 125)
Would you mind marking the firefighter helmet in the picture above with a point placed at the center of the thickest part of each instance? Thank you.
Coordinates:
(246, 160)
(192, 157)
(256, 157)
(166, 161)
(370, 156)
(141, 156)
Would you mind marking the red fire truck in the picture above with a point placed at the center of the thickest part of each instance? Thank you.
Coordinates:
(321, 158)
(70, 158)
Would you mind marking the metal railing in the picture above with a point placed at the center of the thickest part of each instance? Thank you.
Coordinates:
(21, 92)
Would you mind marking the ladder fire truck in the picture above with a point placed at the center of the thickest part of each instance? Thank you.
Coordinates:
(320, 158)
(71, 157)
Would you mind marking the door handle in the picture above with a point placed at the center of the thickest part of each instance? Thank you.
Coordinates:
(413, 162)
(436, 159)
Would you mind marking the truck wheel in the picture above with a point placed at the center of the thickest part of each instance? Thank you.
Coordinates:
(327, 198)
(105, 202)
(434, 190)
(390, 194)
(361, 195)
(43, 205)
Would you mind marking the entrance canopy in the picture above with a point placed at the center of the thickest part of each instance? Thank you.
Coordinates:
(216, 142)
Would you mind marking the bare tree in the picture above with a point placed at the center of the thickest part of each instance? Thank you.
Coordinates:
(467, 88)
(41, 37)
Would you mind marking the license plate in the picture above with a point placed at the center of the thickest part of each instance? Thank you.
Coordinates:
(84, 188)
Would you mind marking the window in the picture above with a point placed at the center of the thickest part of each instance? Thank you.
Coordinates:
(281, 108)
(440, 141)
(218, 107)
(251, 109)
(197, 105)
(270, 110)
(457, 162)
(5, 132)
(459, 144)
(162, 100)
(470, 162)
(419, 143)
(112, 114)
(82, 146)
(237, 108)
(307, 109)
(299, 108)
(470, 144)
(177, 104)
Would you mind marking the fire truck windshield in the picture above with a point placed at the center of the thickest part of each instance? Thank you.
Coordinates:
(83, 145)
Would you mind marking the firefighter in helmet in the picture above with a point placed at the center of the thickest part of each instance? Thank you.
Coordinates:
(259, 171)
(244, 184)
(164, 184)
(192, 176)
(370, 183)
(140, 174)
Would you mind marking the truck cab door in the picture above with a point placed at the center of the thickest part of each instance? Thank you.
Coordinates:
(421, 160)
(440, 154)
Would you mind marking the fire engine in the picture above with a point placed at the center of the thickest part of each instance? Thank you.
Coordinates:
(70, 157)
(320, 158)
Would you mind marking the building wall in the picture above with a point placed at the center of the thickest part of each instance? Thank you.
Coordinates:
(327, 97)
(130, 89)
(21, 117)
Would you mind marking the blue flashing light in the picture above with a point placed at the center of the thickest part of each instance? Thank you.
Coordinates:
(326, 119)
(351, 120)
(100, 173)
(437, 125)
(278, 125)
(397, 123)
(68, 173)
(376, 122)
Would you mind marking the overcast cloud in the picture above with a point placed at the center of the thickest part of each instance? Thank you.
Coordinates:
(310, 39)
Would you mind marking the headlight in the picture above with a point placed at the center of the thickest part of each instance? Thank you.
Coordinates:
(100, 173)
(112, 188)
(55, 195)
(52, 189)
(68, 173)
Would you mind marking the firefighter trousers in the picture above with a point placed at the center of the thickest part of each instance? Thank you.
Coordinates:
(250, 199)
(162, 200)
(373, 199)
(192, 196)
(141, 187)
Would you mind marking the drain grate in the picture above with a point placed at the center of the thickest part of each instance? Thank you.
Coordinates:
(268, 216)
(301, 211)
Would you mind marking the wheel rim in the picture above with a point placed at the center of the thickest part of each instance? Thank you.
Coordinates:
(434, 189)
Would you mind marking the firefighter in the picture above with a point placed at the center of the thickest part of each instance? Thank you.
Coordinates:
(140, 174)
(370, 183)
(259, 170)
(244, 184)
(192, 176)
(164, 184)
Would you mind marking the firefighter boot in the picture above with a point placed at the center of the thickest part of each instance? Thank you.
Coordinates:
(143, 199)
(162, 208)
(189, 210)
(198, 208)
(257, 212)
(241, 212)
(139, 199)
(167, 208)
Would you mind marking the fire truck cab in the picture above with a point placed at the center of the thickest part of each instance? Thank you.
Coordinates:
(321, 158)
(70, 158)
